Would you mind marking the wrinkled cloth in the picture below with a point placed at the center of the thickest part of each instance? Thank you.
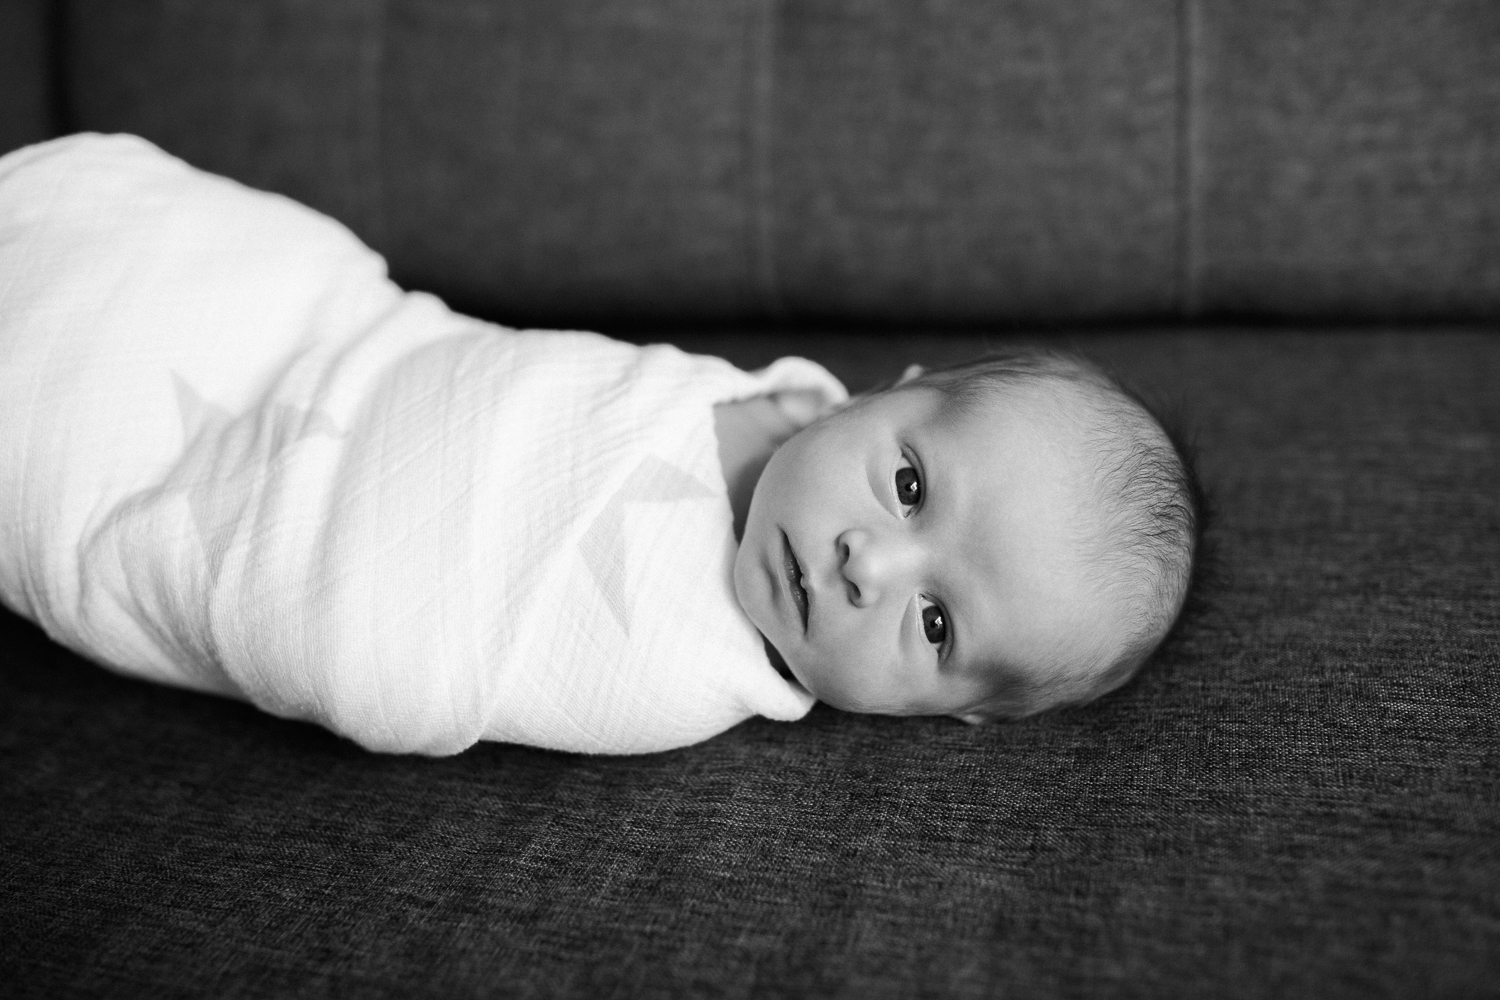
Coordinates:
(237, 458)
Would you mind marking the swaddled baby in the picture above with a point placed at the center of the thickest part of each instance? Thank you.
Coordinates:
(235, 457)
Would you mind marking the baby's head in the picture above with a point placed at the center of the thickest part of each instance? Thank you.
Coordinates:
(985, 541)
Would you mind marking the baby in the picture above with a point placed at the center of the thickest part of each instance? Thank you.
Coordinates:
(236, 458)
(986, 541)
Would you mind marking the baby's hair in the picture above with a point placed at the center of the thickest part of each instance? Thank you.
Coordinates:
(1153, 514)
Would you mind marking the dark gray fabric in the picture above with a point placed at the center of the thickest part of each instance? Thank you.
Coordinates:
(584, 158)
(562, 161)
(280, 94)
(1301, 798)
(554, 162)
(973, 160)
(26, 74)
(851, 159)
(1345, 158)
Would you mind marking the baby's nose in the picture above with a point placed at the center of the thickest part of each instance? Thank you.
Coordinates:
(873, 565)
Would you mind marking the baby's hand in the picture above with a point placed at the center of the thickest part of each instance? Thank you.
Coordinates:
(750, 430)
(802, 406)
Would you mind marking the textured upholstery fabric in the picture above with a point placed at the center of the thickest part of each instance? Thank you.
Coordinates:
(1346, 158)
(26, 77)
(1301, 798)
(548, 161)
(971, 160)
(282, 95)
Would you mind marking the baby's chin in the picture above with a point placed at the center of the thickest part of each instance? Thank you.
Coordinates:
(830, 693)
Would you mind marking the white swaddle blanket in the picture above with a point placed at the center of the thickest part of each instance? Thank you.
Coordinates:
(236, 458)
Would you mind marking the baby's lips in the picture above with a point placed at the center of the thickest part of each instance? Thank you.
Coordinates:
(795, 575)
(807, 593)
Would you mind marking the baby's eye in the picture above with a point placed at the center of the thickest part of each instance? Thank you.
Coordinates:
(908, 487)
(934, 624)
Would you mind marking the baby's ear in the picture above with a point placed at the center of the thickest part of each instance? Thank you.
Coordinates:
(974, 718)
(912, 371)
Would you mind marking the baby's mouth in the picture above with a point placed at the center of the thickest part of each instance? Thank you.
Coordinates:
(793, 571)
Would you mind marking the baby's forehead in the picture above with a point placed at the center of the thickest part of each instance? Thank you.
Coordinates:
(1068, 417)
(1038, 462)
(1045, 395)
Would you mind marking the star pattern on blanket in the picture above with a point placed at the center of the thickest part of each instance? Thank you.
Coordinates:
(217, 500)
(603, 544)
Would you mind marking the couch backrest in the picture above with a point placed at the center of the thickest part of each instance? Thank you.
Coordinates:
(27, 109)
(988, 160)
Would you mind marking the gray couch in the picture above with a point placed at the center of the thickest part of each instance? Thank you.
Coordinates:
(1281, 219)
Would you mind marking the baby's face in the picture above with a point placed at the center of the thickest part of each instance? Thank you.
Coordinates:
(897, 549)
